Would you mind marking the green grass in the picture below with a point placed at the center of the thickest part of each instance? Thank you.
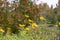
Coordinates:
(41, 33)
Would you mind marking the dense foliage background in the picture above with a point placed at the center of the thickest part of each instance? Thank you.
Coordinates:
(25, 17)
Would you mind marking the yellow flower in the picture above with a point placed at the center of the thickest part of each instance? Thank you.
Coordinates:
(34, 25)
(1, 30)
(42, 18)
(21, 25)
(26, 16)
(56, 25)
(30, 20)
(59, 23)
(27, 29)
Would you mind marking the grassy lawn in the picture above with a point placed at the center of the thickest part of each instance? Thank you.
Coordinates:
(40, 33)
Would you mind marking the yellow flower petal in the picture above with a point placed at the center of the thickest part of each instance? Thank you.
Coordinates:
(34, 25)
(21, 25)
(56, 25)
(26, 16)
(1, 30)
(42, 18)
(59, 23)
(30, 20)
(27, 29)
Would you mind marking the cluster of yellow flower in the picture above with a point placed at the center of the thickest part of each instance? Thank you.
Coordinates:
(22, 26)
(32, 25)
(31, 22)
